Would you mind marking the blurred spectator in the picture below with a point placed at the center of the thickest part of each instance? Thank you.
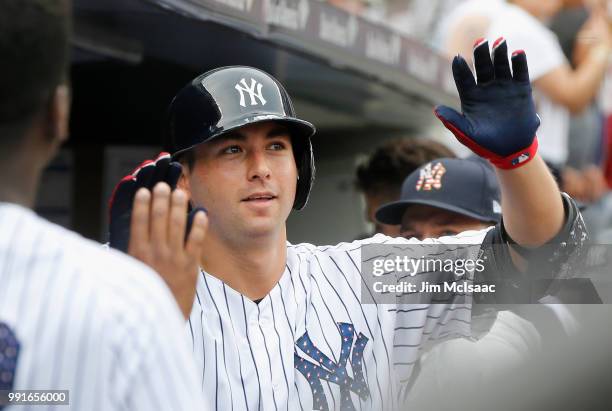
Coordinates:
(583, 177)
(608, 135)
(418, 18)
(356, 7)
(380, 177)
(373, 10)
(586, 128)
(567, 23)
(587, 185)
(606, 106)
(559, 89)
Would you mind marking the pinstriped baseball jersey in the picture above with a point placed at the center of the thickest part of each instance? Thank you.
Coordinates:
(88, 320)
(311, 343)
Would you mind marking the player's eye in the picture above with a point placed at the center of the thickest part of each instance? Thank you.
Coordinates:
(277, 145)
(233, 149)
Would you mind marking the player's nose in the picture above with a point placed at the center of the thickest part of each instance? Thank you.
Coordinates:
(258, 166)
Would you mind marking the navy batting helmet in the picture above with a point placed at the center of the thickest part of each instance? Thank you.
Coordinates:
(227, 98)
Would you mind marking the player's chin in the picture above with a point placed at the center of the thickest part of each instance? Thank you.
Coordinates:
(260, 227)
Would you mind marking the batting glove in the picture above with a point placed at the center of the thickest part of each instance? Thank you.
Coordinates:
(146, 175)
(499, 119)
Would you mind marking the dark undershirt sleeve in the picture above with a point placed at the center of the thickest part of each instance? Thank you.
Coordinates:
(556, 260)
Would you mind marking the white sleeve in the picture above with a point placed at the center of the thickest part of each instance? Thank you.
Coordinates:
(159, 367)
(457, 366)
(166, 380)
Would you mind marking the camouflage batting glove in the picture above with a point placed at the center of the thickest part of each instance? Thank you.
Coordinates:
(499, 120)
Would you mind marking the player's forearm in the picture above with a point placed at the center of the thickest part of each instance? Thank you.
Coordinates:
(531, 203)
(583, 83)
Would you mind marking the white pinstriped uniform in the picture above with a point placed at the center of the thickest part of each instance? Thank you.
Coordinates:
(91, 321)
(249, 354)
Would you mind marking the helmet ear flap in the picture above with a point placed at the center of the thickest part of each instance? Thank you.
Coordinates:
(304, 159)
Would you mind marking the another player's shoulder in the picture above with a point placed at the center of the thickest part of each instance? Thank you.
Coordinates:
(112, 276)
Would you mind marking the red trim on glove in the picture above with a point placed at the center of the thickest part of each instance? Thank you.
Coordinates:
(140, 166)
(479, 41)
(112, 197)
(514, 160)
(518, 159)
(499, 41)
(133, 174)
(149, 162)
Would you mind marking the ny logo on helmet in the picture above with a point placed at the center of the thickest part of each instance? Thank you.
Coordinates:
(243, 87)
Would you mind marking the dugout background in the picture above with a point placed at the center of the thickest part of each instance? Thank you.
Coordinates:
(359, 82)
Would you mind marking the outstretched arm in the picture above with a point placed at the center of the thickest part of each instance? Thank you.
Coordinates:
(499, 123)
(532, 206)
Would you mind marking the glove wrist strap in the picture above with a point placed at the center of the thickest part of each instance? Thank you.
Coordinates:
(515, 160)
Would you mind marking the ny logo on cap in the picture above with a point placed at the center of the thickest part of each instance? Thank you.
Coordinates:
(430, 177)
(243, 87)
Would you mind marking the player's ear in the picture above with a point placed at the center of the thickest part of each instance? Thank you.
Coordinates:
(183, 181)
(58, 115)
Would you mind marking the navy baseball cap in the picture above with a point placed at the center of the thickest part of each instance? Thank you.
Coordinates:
(464, 186)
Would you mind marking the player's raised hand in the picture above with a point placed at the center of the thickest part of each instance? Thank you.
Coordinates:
(499, 119)
(146, 175)
(158, 227)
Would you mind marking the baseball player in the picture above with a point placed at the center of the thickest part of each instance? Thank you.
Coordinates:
(278, 326)
(433, 202)
(381, 176)
(73, 317)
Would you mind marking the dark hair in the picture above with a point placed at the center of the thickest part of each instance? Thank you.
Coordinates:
(34, 37)
(393, 161)
(187, 159)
